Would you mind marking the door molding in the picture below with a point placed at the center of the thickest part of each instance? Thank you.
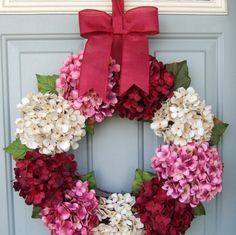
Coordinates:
(211, 7)
(208, 46)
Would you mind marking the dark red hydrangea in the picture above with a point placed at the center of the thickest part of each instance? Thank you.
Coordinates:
(136, 104)
(160, 214)
(41, 179)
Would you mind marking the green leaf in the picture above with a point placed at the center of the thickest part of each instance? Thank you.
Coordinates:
(36, 212)
(217, 131)
(89, 126)
(199, 210)
(180, 71)
(90, 177)
(140, 177)
(47, 83)
(17, 149)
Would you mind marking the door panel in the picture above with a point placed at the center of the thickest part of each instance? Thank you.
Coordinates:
(40, 44)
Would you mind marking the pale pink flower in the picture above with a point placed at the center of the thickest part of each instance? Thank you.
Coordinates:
(90, 104)
(191, 173)
(76, 215)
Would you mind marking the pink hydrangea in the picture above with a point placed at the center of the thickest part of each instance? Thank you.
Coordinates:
(76, 215)
(191, 173)
(90, 104)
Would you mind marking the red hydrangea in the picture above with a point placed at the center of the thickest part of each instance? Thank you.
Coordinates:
(41, 179)
(159, 213)
(136, 104)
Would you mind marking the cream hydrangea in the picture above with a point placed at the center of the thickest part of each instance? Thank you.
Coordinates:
(49, 123)
(116, 209)
(183, 118)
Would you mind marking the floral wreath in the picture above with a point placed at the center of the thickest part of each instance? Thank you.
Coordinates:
(187, 169)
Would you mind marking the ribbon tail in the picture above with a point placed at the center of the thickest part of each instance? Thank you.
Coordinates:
(135, 63)
(94, 70)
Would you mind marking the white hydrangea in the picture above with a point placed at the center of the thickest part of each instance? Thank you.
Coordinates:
(49, 123)
(116, 209)
(183, 118)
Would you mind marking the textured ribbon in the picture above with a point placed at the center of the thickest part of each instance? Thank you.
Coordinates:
(122, 35)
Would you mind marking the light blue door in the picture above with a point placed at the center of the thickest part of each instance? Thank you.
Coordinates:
(40, 43)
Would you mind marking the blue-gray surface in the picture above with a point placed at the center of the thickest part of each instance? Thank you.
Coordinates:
(39, 44)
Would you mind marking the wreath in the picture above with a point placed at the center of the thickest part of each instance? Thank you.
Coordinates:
(186, 170)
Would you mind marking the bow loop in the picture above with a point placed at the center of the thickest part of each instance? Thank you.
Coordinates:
(94, 22)
(143, 20)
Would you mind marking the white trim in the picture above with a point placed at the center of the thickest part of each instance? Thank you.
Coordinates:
(215, 7)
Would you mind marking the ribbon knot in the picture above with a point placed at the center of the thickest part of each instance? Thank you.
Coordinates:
(122, 36)
(117, 23)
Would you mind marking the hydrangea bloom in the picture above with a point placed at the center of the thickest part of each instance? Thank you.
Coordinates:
(159, 213)
(42, 180)
(49, 123)
(76, 215)
(90, 104)
(136, 104)
(183, 118)
(116, 211)
(192, 173)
